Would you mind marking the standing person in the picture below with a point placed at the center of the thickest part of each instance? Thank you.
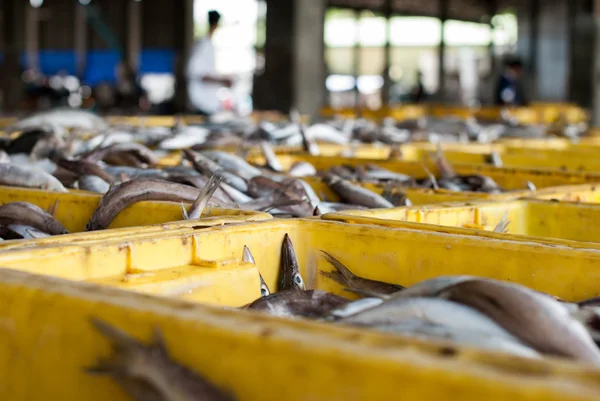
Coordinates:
(509, 90)
(203, 82)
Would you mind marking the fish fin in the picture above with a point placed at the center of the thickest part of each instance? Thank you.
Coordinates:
(184, 212)
(159, 343)
(247, 256)
(443, 163)
(342, 275)
(502, 226)
(366, 293)
(432, 178)
(119, 339)
(205, 194)
(52, 209)
(317, 212)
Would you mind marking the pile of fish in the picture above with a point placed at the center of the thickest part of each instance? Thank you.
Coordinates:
(465, 310)
(70, 149)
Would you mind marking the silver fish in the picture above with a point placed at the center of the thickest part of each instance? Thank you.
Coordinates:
(31, 215)
(302, 169)
(204, 196)
(272, 161)
(233, 163)
(538, 320)
(356, 195)
(61, 118)
(21, 176)
(27, 232)
(93, 183)
(208, 167)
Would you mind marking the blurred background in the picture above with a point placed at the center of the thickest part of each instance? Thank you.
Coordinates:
(130, 56)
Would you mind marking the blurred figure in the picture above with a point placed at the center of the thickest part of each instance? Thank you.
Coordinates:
(509, 90)
(129, 96)
(203, 82)
(417, 94)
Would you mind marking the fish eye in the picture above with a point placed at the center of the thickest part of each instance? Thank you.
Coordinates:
(298, 280)
(264, 290)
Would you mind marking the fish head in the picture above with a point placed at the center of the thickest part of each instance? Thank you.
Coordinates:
(289, 271)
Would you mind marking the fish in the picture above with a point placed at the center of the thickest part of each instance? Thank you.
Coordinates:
(343, 276)
(27, 232)
(289, 271)
(60, 118)
(438, 319)
(140, 153)
(502, 226)
(93, 183)
(31, 215)
(302, 169)
(272, 161)
(134, 172)
(443, 164)
(538, 320)
(147, 372)
(206, 166)
(333, 207)
(195, 211)
(185, 138)
(21, 176)
(233, 164)
(354, 194)
(248, 258)
(140, 189)
(293, 303)
(84, 167)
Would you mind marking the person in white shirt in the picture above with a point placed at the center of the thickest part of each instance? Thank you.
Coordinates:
(203, 82)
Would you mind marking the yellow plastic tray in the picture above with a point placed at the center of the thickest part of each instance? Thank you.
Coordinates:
(48, 340)
(205, 265)
(74, 210)
(529, 219)
(514, 180)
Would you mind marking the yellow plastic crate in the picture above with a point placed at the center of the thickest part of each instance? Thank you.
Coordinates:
(75, 209)
(514, 180)
(151, 121)
(186, 263)
(530, 220)
(267, 359)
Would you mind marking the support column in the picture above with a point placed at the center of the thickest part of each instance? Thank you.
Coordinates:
(356, 62)
(32, 36)
(387, 82)
(583, 37)
(294, 69)
(10, 85)
(184, 39)
(553, 51)
(442, 52)
(134, 33)
(596, 78)
(81, 39)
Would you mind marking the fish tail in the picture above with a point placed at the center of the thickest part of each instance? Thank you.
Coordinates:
(123, 346)
(341, 275)
(502, 226)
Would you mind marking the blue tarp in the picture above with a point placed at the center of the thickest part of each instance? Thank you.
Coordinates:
(101, 64)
